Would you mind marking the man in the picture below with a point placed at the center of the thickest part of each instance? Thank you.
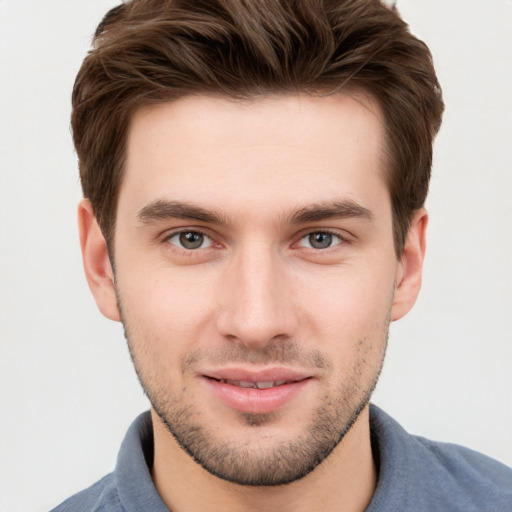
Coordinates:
(254, 176)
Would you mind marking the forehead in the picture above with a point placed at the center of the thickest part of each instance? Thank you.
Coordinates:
(276, 150)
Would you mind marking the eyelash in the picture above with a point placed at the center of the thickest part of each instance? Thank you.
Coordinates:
(167, 239)
(341, 239)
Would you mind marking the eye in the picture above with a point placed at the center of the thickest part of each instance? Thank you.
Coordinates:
(320, 240)
(190, 240)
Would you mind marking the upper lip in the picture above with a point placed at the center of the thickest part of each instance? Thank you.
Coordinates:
(257, 375)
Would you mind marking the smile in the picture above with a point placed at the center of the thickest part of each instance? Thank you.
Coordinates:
(256, 385)
(262, 394)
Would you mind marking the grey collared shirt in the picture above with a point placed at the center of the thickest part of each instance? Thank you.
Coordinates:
(415, 474)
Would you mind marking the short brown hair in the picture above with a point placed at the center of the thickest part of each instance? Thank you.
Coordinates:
(151, 51)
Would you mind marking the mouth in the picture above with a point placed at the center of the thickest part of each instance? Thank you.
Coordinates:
(257, 392)
(256, 385)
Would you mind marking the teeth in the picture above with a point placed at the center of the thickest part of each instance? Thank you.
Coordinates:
(243, 384)
(256, 385)
(265, 385)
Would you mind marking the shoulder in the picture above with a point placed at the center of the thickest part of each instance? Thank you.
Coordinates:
(484, 482)
(419, 474)
(130, 486)
(100, 497)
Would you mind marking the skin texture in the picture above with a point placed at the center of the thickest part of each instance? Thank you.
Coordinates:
(254, 241)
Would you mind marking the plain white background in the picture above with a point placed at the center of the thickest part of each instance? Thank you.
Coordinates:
(67, 388)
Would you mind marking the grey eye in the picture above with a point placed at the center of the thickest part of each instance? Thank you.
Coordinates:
(190, 240)
(320, 240)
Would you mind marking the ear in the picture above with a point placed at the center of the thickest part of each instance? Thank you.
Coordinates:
(98, 269)
(410, 267)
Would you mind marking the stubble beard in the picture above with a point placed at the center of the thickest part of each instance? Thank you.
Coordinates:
(286, 462)
(289, 459)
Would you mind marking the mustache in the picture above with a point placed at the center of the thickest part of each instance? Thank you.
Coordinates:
(277, 352)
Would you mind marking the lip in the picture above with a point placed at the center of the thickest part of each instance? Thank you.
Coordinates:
(250, 399)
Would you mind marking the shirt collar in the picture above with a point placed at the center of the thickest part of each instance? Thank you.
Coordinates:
(137, 491)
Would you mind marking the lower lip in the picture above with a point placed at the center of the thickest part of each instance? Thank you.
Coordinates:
(256, 401)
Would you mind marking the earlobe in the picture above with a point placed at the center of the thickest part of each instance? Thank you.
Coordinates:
(98, 269)
(410, 268)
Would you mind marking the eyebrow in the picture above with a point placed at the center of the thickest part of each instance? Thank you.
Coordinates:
(164, 210)
(343, 209)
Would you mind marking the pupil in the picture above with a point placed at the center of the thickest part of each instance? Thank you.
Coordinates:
(191, 240)
(320, 240)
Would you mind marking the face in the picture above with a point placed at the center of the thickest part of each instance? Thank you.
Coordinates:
(256, 276)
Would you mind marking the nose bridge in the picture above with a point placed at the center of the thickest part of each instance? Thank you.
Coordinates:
(256, 306)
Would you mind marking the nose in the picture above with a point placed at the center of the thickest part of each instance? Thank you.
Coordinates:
(256, 303)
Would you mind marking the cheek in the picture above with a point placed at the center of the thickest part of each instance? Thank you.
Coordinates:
(348, 298)
(348, 315)
(168, 312)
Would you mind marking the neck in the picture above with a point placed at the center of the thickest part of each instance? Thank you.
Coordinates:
(344, 482)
